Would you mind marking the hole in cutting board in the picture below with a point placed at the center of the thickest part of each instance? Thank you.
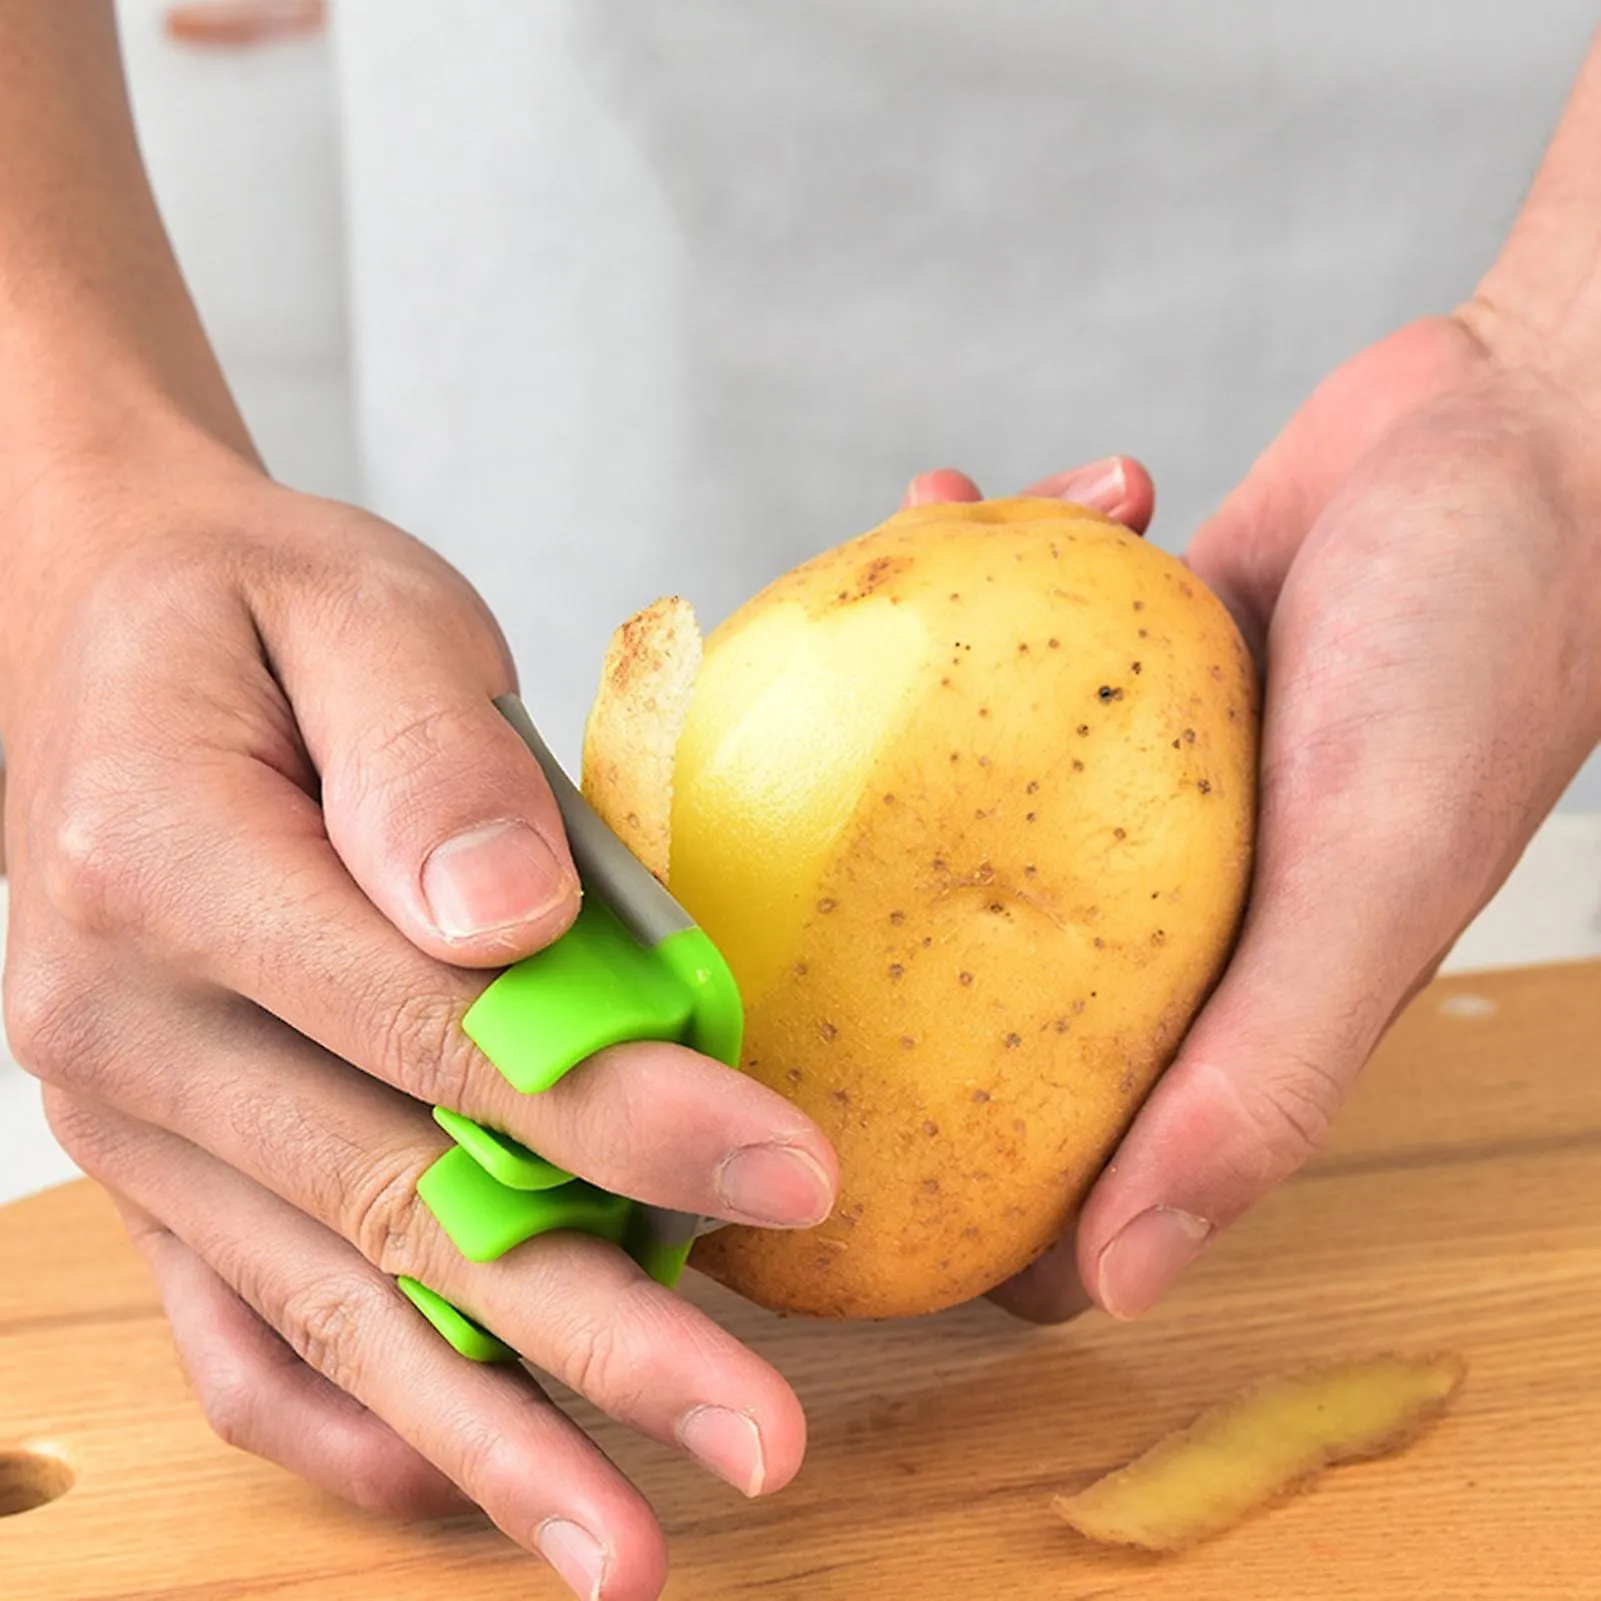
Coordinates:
(30, 1479)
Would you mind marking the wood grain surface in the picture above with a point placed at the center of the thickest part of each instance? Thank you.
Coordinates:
(1459, 1207)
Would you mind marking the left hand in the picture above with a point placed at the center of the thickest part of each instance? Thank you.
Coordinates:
(1416, 561)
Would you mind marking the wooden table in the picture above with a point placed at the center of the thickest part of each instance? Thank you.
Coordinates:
(1460, 1207)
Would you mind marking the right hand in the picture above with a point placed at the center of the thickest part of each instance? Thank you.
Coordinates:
(266, 834)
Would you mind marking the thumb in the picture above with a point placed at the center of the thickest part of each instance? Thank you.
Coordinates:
(438, 810)
(1337, 943)
(1393, 803)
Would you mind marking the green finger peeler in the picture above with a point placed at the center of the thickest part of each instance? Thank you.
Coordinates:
(634, 966)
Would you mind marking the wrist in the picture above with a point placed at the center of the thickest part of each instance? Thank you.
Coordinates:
(1538, 308)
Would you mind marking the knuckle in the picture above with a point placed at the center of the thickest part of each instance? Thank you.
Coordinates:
(47, 1023)
(425, 1052)
(609, 1358)
(1290, 1113)
(401, 768)
(329, 1324)
(81, 1130)
(66, 1031)
(615, 1122)
(231, 1399)
(380, 1210)
(95, 860)
(481, 1463)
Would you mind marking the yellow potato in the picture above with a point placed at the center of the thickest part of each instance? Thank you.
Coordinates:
(1257, 1446)
(968, 804)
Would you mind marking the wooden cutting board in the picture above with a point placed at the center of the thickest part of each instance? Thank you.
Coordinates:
(1460, 1207)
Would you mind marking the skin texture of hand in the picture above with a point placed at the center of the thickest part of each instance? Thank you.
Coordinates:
(1416, 561)
(266, 836)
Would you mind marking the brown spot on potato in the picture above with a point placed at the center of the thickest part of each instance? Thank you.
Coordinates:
(965, 980)
(1108, 692)
(1030, 870)
(1028, 817)
(1139, 605)
(1204, 785)
(907, 1042)
(1135, 668)
(1022, 649)
(1055, 644)
(827, 904)
(794, 1075)
(1083, 729)
(926, 941)
(896, 972)
(980, 1097)
(1119, 833)
(983, 711)
(1159, 937)
(897, 918)
(840, 1097)
(931, 1128)
(1078, 766)
(1189, 736)
(872, 576)
(827, 1030)
(1061, 1025)
(1012, 1041)
(800, 970)
(1099, 943)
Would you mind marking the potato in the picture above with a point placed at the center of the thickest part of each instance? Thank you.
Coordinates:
(968, 805)
(1259, 1445)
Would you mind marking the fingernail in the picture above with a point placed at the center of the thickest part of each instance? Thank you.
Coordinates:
(777, 1185)
(1144, 1259)
(1102, 486)
(491, 878)
(729, 1443)
(575, 1554)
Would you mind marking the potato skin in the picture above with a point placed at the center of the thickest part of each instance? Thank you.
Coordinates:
(974, 899)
